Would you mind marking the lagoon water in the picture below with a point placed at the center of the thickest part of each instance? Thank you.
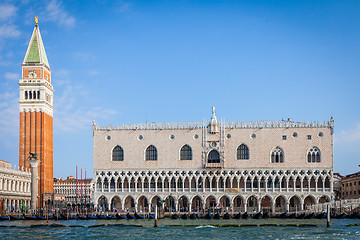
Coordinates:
(180, 229)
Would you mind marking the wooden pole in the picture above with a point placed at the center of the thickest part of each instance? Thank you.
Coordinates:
(156, 215)
(328, 216)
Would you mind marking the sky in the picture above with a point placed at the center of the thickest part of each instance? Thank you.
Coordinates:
(120, 62)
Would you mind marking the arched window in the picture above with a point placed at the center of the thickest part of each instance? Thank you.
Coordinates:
(26, 95)
(214, 157)
(151, 153)
(30, 94)
(186, 153)
(118, 154)
(314, 155)
(242, 152)
(277, 155)
(38, 94)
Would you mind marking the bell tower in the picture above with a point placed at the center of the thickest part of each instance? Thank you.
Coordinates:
(36, 113)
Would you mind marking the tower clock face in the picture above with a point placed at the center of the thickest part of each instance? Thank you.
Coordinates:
(32, 74)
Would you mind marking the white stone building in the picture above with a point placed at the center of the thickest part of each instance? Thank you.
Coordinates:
(14, 188)
(243, 166)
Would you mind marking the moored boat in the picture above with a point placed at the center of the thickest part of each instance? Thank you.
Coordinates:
(226, 216)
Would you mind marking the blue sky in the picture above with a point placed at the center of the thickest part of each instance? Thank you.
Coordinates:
(170, 61)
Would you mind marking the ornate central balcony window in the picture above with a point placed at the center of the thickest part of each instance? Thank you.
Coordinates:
(277, 155)
(314, 155)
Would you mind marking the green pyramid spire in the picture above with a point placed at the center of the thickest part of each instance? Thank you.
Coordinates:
(36, 51)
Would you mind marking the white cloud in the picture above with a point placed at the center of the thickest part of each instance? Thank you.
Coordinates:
(8, 31)
(9, 112)
(349, 139)
(11, 76)
(84, 56)
(7, 12)
(56, 13)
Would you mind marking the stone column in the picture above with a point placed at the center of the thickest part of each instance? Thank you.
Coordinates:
(190, 206)
(34, 183)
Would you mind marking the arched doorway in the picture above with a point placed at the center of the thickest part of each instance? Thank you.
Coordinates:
(238, 204)
(294, 204)
(210, 202)
(129, 204)
(224, 203)
(143, 204)
(115, 204)
(102, 204)
(197, 204)
(309, 201)
(280, 204)
(183, 204)
(266, 204)
(252, 204)
(170, 204)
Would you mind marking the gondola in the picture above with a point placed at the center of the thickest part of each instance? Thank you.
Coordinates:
(193, 216)
(300, 216)
(184, 216)
(237, 216)
(290, 216)
(217, 216)
(257, 215)
(137, 216)
(4, 218)
(82, 217)
(208, 216)
(245, 215)
(226, 216)
(309, 216)
(129, 216)
(41, 218)
(265, 215)
(101, 217)
(30, 218)
(91, 217)
(282, 215)
(12, 218)
(320, 215)
(109, 217)
(119, 216)
(151, 216)
(174, 216)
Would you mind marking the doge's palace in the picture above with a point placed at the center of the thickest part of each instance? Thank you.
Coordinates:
(243, 166)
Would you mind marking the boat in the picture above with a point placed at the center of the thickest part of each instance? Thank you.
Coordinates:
(82, 217)
(91, 217)
(217, 216)
(266, 215)
(110, 217)
(193, 216)
(30, 218)
(16, 218)
(4, 218)
(290, 215)
(226, 216)
(101, 216)
(300, 216)
(119, 216)
(41, 218)
(256, 215)
(309, 216)
(237, 216)
(208, 216)
(245, 215)
(174, 216)
(184, 216)
(151, 216)
(129, 216)
(283, 215)
(137, 216)
(320, 215)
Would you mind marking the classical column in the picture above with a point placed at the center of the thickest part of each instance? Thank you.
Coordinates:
(34, 183)
(190, 206)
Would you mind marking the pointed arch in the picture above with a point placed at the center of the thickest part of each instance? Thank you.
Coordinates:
(117, 153)
(186, 153)
(242, 152)
(151, 153)
(214, 156)
(314, 155)
(277, 155)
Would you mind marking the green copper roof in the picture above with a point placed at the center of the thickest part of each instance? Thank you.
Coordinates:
(36, 51)
(33, 56)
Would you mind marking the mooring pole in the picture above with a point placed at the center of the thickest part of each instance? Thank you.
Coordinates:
(156, 216)
(328, 216)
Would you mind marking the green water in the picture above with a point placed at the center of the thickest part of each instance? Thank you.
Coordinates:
(181, 229)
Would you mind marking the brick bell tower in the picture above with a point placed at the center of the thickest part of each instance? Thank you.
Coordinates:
(36, 113)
